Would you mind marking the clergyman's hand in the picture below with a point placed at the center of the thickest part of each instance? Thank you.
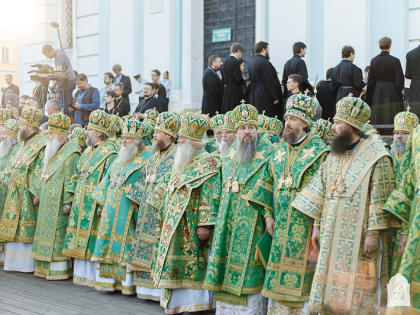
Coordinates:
(403, 242)
(66, 209)
(99, 212)
(371, 244)
(316, 235)
(203, 233)
(35, 201)
(269, 225)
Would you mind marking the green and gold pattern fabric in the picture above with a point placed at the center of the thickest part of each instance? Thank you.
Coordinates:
(349, 208)
(83, 220)
(403, 204)
(289, 276)
(18, 220)
(119, 214)
(186, 199)
(144, 237)
(233, 271)
(52, 221)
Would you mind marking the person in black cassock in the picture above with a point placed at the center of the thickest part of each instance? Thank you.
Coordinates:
(412, 72)
(122, 102)
(296, 65)
(212, 87)
(265, 90)
(232, 79)
(151, 99)
(347, 77)
(385, 85)
(326, 96)
(121, 78)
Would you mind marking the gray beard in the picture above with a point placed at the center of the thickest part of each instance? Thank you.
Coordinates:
(291, 137)
(127, 153)
(398, 147)
(158, 146)
(183, 155)
(246, 151)
(224, 147)
(90, 142)
(51, 148)
(6, 146)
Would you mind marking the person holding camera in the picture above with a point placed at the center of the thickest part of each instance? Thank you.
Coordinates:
(68, 81)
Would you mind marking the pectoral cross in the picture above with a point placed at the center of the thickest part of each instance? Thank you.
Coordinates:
(228, 184)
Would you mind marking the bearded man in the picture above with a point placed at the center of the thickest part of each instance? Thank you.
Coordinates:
(403, 205)
(187, 200)
(164, 148)
(289, 274)
(404, 124)
(58, 168)
(216, 123)
(346, 196)
(18, 221)
(233, 272)
(82, 227)
(8, 149)
(118, 213)
(228, 133)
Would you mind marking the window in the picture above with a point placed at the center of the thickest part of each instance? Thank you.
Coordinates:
(6, 54)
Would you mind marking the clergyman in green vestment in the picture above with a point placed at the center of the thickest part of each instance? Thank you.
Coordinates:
(8, 149)
(18, 221)
(299, 154)
(346, 197)
(163, 147)
(234, 272)
(83, 222)
(58, 167)
(118, 214)
(187, 200)
(403, 204)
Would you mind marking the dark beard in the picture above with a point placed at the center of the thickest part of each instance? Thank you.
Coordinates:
(290, 137)
(158, 145)
(341, 143)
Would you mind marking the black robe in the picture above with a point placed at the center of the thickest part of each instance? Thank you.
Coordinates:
(125, 80)
(412, 72)
(296, 65)
(212, 92)
(265, 87)
(233, 81)
(326, 96)
(122, 106)
(347, 78)
(156, 101)
(385, 84)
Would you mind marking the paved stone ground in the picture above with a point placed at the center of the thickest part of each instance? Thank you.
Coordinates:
(25, 294)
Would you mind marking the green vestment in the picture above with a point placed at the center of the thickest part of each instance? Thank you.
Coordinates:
(83, 220)
(144, 237)
(346, 196)
(119, 215)
(52, 222)
(289, 275)
(18, 221)
(404, 205)
(186, 200)
(233, 269)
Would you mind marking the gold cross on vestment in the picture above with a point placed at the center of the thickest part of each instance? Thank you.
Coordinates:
(91, 186)
(279, 156)
(309, 152)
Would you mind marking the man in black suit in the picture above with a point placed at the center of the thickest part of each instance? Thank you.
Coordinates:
(412, 72)
(347, 77)
(125, 80)
(151, 100)
(326, 96)
(122, 103)
(265, 90)
(385, 85)
(212, 87)
(296, 65)
(232, 79)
